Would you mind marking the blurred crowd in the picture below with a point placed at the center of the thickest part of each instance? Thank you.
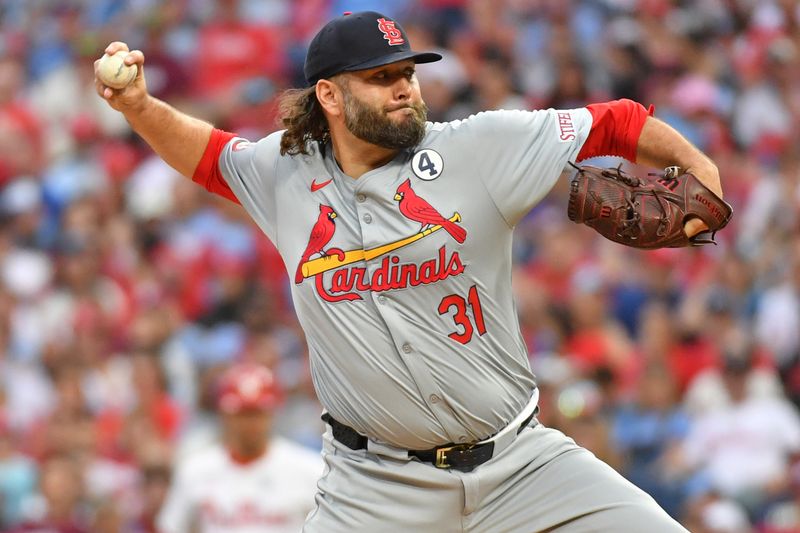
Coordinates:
(126, 289)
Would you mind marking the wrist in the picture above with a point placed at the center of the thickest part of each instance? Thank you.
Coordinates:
(138, 109)
(708, 174)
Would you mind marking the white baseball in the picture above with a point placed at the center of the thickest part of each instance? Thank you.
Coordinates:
(113, 72)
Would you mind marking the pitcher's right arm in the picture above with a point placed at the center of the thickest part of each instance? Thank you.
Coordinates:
(179, 139)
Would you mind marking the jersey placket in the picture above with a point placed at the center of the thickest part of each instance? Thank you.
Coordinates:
(374, 219)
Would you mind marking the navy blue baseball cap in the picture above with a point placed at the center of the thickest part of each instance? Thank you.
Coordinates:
(358, 41)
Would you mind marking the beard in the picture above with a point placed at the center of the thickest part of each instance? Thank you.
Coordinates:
(376, 127)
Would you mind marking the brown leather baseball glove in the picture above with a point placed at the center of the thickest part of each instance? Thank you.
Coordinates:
(645, 213)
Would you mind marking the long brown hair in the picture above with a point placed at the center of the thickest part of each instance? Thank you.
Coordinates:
(302, 116)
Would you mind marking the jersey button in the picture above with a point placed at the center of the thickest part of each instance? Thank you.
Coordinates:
(361, 198)
(462, 439)
(407, 348)
(381, 299)
(434, 399)
(367, 218)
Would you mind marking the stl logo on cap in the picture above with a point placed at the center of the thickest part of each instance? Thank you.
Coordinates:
(390, 32)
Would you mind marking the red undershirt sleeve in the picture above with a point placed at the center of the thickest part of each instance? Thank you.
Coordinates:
(615, 131)
(207, 172)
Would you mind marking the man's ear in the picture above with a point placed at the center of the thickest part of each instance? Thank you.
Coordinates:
(330, 97)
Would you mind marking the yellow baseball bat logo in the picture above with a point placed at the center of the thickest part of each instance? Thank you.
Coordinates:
(330, 262)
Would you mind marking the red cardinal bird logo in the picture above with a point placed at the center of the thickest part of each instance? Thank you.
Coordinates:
(419, 210)
(321, 234)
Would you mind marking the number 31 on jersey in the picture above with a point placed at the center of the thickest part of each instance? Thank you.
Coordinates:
(461, 318)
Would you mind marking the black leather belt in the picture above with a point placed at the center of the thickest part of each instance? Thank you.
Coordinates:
(463, 457)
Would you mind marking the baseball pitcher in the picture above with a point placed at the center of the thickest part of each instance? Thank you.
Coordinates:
(397, 236)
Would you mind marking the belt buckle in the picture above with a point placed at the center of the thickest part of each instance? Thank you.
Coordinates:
(441, 454)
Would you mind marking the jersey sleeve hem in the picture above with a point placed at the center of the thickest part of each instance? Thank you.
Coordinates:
(207, 172)
(616, 127)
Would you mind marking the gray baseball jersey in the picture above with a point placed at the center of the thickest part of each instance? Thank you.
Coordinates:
(401, 278)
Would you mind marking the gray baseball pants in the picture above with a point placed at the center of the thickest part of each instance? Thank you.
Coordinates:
(542, 482)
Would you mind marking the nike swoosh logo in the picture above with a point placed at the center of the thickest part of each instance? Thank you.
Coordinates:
(317, 186)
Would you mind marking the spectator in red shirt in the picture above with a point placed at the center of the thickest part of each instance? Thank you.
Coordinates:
(234, 51)
(21, 143)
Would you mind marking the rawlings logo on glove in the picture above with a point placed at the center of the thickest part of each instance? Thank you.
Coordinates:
(645, 214)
